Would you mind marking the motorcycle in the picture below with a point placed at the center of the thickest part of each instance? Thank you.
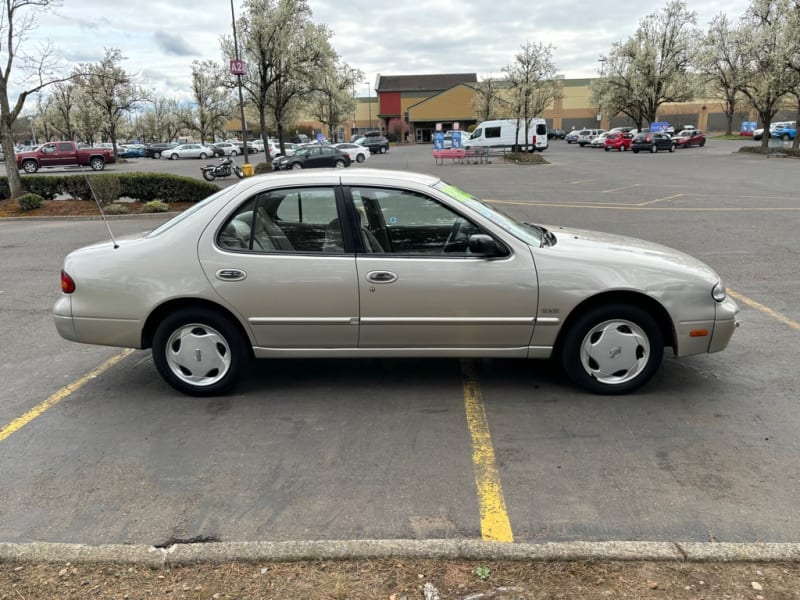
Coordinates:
(225, 167)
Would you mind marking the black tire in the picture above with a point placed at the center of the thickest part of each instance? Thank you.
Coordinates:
(606, 148)
(203, 156)
(624, 338)
(156, 154)
(340, 164)
(208, 175)
(199, 352)
(785, 137)
(297, 165)
(173, 156)
(672, 148)
(635, 151)
(30, 166)
(97, 163)
(360, 158)
(653, 149)
(383, 149)
(234, 153)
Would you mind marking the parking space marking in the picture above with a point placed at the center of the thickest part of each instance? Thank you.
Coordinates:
(625, 187)
(495, 525)
(58, 396)
(659, 200)
(764, 309)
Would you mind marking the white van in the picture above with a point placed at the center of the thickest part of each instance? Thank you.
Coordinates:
(502, 135)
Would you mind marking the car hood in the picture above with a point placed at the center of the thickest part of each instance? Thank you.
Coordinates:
(626, 252)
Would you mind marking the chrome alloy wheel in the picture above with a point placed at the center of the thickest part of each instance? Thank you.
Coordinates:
(198, 354)
(615, 352)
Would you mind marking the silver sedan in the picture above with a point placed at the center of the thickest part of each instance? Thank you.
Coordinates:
(188, 151)
(372, 263)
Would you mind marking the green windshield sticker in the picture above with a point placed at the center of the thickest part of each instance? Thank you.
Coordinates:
(455, 193)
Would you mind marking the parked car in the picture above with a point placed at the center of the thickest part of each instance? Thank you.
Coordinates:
(155, 150)
(587, 135)
(598, 141)
(653, 142)
(356, 152)
(556, 134)
(373, 263)
(618, 140)
(377, 144)
(188, 151)
(690, 137)
(312, 156)
(226, 148)
(784, 131)
(130, 151)
(572, 136)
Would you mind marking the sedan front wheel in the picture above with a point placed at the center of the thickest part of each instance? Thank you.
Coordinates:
(612, 349)
(199, 352)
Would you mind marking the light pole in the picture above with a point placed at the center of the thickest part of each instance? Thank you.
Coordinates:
(369, 103)
(239, 79)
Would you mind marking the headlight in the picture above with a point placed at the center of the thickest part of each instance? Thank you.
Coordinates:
(719, 293)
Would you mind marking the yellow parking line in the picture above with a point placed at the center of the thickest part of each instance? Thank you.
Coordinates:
(764, 309)
(495, 525)
(57, 397)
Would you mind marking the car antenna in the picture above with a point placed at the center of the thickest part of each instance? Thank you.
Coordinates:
(100, 207)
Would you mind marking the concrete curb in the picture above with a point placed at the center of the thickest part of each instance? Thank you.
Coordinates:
(216, 552)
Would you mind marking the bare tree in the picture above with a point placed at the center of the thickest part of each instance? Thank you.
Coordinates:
(38, 65)
(794, 62)
(532, 83)
(488, 103)
(62, 108)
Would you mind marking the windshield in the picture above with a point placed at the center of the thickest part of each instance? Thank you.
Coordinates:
(530, 234)
(185, 214)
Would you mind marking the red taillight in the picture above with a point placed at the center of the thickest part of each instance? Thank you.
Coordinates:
(67, 284)
(649, 139)
(533, 140)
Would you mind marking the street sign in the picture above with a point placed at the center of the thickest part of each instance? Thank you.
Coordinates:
(238, 67)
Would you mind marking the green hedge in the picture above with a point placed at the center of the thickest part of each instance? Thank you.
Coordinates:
(142, 187)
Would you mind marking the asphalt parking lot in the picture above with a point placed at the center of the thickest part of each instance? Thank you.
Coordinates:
(103, 452)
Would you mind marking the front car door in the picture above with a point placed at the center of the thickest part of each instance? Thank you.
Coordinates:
(421, 289)
(278, 261)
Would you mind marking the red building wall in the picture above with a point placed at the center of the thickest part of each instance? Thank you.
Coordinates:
(389, 103)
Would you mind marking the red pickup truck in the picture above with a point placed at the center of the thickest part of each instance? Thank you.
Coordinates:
(64, 154)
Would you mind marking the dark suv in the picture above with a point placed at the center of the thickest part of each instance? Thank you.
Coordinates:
(653, 142)
(377, 144)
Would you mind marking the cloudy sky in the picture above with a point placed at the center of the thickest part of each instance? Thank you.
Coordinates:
(393, 37)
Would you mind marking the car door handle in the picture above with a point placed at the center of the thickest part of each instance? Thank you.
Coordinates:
(381, 277)
(231, 274)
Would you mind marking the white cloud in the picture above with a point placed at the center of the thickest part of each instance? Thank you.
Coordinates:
(161, 38)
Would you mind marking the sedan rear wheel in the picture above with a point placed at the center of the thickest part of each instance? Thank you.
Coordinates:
(340, 164)
(613, 349)
(653, 148)
(361, 158)
(199, 352)
(203, 155)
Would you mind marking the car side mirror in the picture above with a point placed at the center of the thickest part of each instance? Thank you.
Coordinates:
(486, 245)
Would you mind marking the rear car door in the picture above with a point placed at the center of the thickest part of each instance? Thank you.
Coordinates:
(278, 260)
